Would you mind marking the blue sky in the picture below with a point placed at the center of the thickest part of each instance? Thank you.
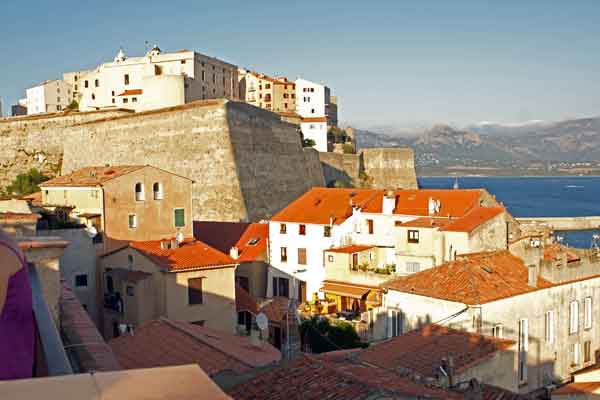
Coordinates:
(404, 63)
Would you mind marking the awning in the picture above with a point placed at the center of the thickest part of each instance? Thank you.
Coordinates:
(88, 215)
(348, 290)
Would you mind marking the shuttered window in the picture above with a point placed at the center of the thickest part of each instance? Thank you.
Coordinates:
(302, 256)
(587, 322)
(179, 217)
(550, 326)
(195, 291)
(573, 317)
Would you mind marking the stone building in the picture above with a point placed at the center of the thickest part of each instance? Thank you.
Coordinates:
(183, 281)
(49, 97)
(153, 81)
(124, 202)
(495, 293)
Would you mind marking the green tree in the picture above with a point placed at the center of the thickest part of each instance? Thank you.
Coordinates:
(321, 336)
(74, 105)
(26, 183)
(308, 143)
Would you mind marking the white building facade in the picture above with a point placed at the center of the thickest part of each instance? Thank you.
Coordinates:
(153, 81)
(48, 97)
(315, 108)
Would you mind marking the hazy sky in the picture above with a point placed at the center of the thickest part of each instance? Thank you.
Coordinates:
(390, 62)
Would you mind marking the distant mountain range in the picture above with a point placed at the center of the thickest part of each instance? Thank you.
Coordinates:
(565, 141)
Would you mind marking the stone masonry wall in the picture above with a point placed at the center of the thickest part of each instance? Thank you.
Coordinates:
(245, 162)
(36, 141)
(383, 167)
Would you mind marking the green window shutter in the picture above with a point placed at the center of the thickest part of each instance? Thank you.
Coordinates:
(179, 218)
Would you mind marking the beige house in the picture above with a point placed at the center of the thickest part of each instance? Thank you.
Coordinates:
(585, 385)
(273, 94)
(125, 202)
(188, 281)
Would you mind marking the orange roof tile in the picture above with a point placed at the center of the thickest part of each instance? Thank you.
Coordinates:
(333, 377)
(554, 251)
(577, 388)
(250, 239)
(91, 176)
(244, 301)
(422, 350)
(345, 289)
(191, 254)
(318, 205)
(426, 222)
(131, 92)
(164, 342)
(353, 248)
(473, 219)
(471, 279)
(314, 119)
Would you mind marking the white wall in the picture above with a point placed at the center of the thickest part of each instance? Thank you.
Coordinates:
(49, 97)
(316, 131)
(310, 99)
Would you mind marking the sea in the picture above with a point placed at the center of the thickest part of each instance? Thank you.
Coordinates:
(537, 197)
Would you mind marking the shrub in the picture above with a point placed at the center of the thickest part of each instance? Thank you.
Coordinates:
(26, 183)
(321, 336)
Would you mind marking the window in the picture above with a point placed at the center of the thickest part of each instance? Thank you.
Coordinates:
(126, 79)
(587, 321)
(268, 86)
(179, 214)
(327, 231)
(573, 317)
(134, 99)
(113, 93)
(86, 84)
(587, 351)
(395, 323)
(498, 331)
(194, 291)
(523, 346)
(281, 287)
(130, 290)
(125, 100)
(139, 191)
(113, 101)
(413, 236)
(302, 229)
(97, 83)
(81, 280)
(412, 267)
(183, 61)
(132, 221)
(549, 324)
(575, 354)
(58, 99)
(130, 259)
(330, 258)
(157, 189)
(93, 96)
(284, 254)
(243, 282)
(302, 256)
(203, 78)
(370, 226)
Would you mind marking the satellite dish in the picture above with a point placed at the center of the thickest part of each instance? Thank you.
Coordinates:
(91, 231)
(262, 321)
(179, 237)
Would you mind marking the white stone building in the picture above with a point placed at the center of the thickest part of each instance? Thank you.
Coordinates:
(154, 80)
(555, 324)
(48, 97)
(326, 218)
(318, 112)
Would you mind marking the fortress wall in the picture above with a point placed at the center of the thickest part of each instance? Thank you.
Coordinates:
(36, 141)
(245, 162)
(390, 167)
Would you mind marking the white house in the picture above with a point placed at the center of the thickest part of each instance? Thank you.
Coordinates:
(326, 218)
(317, 111)
(555, 324)
(154, 80)
(48, 97)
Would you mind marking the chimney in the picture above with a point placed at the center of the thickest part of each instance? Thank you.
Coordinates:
(174, 244)
(164, 245)
(389, 203)
(234, 253)
(532, 275)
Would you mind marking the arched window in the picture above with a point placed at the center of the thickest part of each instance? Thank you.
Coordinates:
(139, 191)
(157, 188)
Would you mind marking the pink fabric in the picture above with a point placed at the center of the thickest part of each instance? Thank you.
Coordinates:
(17, 326)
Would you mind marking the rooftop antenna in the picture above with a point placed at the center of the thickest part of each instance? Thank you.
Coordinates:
(146, 46)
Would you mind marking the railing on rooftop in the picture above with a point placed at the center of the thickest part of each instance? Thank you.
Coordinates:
(55, 358)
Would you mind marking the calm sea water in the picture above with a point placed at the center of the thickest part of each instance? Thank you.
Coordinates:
(537, 197)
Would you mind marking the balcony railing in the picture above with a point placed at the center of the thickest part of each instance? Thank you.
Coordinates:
(55, 358)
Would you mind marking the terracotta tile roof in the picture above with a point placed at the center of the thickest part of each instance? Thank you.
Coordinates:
(453, 202)
(91, 352)
(244, 301)
(131, 92)
(346, 289)
(129, 275)
(91, 176)
(554, 252)
(191, 254)
(577, 388)
(427, 222)
(225, 235)
(422, 350)
(318, 205)
(33, 198)
(164, 342)
(473, 219)
(354, 248)
(110, 245)
(314, 119)
(471, 279)
(333, 377)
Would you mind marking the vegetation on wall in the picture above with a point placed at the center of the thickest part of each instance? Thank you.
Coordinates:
(308, 143)
(319, 335)
(26, 183)
(74, 105)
